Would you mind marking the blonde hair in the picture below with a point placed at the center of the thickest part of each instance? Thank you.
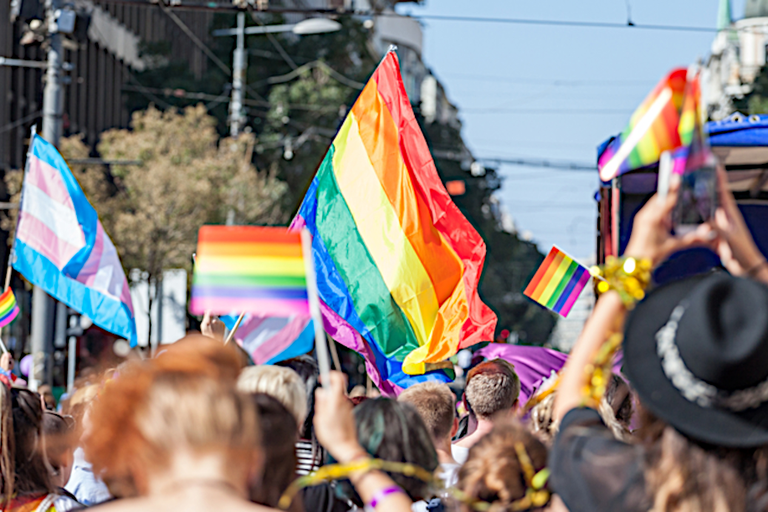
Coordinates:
(435, 403)
(183, 400)
(279, 382)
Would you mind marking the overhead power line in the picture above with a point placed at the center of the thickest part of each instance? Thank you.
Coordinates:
(228, 6)
(458, 156)
(560, 23)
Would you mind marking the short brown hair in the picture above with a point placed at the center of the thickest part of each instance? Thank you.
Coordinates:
(436, 405)
(492, 386)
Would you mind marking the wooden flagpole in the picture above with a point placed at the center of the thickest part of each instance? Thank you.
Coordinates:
(231, 334)
(334, 353)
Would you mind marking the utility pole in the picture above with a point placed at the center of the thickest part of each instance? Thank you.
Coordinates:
(42, 304)
(238, 79)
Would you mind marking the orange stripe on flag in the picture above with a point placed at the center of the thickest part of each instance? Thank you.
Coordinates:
(540, 272)
(536, 295)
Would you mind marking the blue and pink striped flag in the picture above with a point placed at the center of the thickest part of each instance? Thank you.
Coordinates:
(269, 340)
(62, 247)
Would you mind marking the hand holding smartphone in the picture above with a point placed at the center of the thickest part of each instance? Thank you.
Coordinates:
(697, 195)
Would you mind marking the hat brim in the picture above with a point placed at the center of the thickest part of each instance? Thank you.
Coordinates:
(642, 366)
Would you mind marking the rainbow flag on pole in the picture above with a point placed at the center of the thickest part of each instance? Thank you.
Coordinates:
(652, 129)
(558, 282)
(8, 308)
(249, 269)
(397, 264)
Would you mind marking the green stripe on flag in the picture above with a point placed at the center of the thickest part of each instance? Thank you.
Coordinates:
(373, 302)
(250, 281)
(562, 284)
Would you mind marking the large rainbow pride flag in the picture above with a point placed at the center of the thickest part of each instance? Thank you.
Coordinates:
(397, 264)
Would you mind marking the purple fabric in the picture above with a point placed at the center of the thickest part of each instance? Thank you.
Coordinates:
(341, 331)
(532, 364)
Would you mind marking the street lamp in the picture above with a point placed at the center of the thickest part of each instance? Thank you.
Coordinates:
(305, 27)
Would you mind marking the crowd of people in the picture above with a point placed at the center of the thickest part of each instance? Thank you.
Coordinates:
(683, 427)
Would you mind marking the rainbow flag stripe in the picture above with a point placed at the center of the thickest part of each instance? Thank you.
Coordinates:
(8, 308)
(249, 269)
(558, 282)
(690, 116)
(652, 129)
(398, 265)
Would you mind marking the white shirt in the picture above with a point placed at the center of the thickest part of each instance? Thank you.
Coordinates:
(459, 453)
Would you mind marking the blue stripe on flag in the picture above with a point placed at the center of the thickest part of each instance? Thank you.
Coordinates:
(106, 312)
(301, 345)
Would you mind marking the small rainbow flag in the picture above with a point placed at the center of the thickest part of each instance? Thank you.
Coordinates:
(558, 282)
(8, 308)
(652, 129)
(249, 269)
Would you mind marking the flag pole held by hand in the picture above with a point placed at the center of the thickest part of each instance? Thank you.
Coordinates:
(323, 359)
(231, 334)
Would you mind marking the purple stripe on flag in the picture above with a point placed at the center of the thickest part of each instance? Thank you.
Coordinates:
(576, 292)
(568, 289)
(342, 332)
(9, 316)
(235, 292)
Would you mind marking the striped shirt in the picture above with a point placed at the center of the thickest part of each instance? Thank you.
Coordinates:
(305, 462)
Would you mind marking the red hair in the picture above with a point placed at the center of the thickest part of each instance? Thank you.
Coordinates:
(185, 398)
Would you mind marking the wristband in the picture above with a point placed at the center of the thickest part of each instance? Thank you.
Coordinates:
(383, 494)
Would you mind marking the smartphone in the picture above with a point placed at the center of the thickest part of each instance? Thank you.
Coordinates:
(697, 198)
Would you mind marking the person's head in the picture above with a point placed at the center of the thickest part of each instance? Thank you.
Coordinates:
(492, 389)
(394, 431)
(22, 461)
(59, 434)
(615, 409)
(46, 392)
(436, 404)
(307, 368)
(163, 416)
(281, 383)
(279, 434)
(696, 355)
(495, 470)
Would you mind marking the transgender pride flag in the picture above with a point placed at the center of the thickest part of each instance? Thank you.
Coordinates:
(269, 340)
(62, 247)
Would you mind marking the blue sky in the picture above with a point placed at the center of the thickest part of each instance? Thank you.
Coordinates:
(555, 92)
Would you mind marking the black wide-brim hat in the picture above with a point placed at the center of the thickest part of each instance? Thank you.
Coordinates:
(708, 376)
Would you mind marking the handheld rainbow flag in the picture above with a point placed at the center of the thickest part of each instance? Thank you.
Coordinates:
(8, 308)
(249, 269)
(558, 282)
(652, 129)
(397, 263)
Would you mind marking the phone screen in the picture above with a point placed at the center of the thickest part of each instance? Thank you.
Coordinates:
(697, 198)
